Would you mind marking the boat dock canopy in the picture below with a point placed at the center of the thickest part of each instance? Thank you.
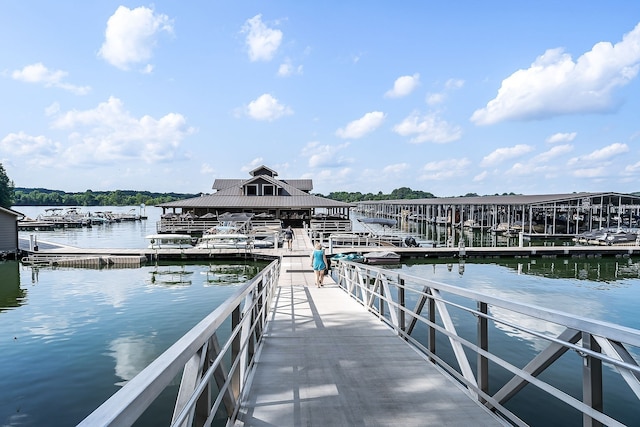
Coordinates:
(546, 213)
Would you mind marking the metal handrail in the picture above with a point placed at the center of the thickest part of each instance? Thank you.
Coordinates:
(386, 293)
(200, 358)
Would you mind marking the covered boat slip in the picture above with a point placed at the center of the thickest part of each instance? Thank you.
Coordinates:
(326, 361)
(550, 214)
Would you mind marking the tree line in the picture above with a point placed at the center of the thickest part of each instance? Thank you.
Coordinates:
(398, 193)
(44, 197)
(401, 193)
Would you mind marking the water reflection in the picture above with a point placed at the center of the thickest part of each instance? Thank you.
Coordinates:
(132, 354)
(229, 274)
(115, 295)
(605, 270)
(11, 294)
(170, 276)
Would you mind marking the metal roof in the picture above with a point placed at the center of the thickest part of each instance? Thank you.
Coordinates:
(230, 195)
(10, 211)
(300, 184)
(540, 199)
(262, 202)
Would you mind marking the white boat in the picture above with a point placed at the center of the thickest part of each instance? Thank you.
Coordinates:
(262, 242)
(169, 241)
(224, 241)
(609, 237)
(381, 258)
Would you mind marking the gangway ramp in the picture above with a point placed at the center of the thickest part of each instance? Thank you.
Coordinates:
(326, 361)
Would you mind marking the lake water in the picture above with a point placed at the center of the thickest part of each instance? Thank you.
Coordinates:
(69, 338)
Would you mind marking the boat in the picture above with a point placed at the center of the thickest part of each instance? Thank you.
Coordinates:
(347, 257)
(263, 242)
(608, 237)
(224, 241)
(169, 241)
(378, 258)
(620, 238)
(385, 222)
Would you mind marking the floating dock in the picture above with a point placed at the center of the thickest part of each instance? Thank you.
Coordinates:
(113, 255)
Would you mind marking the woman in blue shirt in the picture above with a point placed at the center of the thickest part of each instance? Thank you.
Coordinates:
(319, 263)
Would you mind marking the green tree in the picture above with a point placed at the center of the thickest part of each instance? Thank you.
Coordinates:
(6, 189)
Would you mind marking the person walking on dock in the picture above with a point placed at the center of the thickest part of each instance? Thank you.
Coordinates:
(289, 236)
(319, 263)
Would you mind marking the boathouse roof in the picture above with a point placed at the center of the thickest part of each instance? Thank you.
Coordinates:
(262, 191)
(305, 185)
(11, 212)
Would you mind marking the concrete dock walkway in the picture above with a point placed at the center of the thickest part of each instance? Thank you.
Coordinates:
(326, 361)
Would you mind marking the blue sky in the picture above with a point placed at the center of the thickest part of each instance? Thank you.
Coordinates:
(445, 97)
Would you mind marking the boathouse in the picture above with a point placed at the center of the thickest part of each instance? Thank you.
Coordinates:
(262, 194)
(9, 232)
(550, 214)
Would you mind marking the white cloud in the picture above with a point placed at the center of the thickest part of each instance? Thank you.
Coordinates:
(35, 150)
(600, 155)
(403, 86)
(325, 155)
(481, 176)
(454, 84)
(268, 108)
(108, 133)
(262, 41)
(396, 168)
(435, 98)
(439, 98)
(505, 153)
(553, 153)
(540, 165)
(39, 74)
(631, 170)
(429, 128)
(331, 178)
(562, 137)
(258, 161)
(530, 169)
(287, 69)
(445, 169)
(206, 169)
(594, 172)
(362, 126)
(555, 84)
(131, 36)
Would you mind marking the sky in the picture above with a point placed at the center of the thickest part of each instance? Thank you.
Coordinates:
(446, 97)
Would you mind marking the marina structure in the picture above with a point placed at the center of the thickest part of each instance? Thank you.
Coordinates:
(290, 318)
(534, 215)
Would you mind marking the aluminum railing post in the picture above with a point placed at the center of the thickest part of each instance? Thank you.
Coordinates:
(432, 330)
(591, 380)
(235, 353)
(401, 306)
(483, 343)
